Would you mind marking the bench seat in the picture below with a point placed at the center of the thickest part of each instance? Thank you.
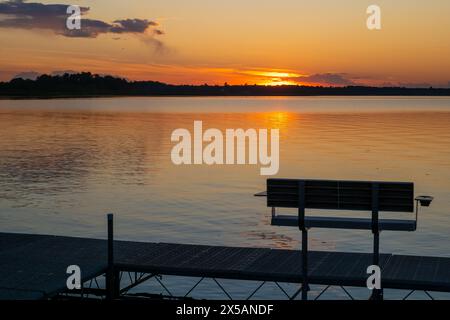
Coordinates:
(345, 223)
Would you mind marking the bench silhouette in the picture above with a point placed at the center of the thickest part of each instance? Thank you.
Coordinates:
(372, 196)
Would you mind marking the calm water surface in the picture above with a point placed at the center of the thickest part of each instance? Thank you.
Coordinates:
(64, 164)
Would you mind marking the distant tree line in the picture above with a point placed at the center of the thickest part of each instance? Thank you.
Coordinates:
(86, 84)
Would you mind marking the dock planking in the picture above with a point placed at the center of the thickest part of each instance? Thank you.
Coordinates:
(420, 273)
(34, 266)
(36, 263)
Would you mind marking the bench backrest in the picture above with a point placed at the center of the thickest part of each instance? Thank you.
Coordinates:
(341, 195)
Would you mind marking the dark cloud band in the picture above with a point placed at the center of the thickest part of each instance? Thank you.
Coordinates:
(26, 15)
(334, 79)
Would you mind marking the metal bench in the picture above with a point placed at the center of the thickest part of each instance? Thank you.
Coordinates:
(372, 196)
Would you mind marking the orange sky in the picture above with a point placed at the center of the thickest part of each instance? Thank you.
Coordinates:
(253, 41)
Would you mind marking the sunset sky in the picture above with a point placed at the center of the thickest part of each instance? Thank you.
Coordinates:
(321, 42)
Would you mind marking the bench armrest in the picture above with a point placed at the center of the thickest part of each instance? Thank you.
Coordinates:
(424, 201)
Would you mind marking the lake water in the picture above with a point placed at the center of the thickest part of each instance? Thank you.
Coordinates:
(64, 164)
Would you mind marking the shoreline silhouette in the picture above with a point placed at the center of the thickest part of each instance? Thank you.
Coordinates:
(86, 84)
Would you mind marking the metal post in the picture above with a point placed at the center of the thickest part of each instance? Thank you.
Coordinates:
(305, 264)
(375, 224)
(304, 230)
(377, 294)
(376, 248)
(110, 287)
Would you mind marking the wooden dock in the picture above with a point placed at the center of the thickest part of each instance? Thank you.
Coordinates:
(34, 266)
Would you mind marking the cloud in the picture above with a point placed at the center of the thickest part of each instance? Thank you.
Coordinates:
(158, 32)
(158, 45)
(132, 25)
(29, 75)
(332, 79)
(19, 14)
(93, 28)
(414, 84)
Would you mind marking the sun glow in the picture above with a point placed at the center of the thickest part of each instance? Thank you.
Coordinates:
(277, 82)
(275, 119)
(273, 74)
(274, 77)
